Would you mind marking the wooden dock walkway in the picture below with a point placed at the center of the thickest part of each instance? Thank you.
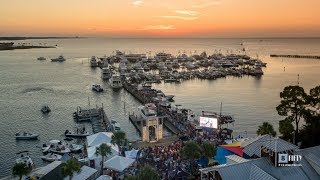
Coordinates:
(295, 56)
(101, 123)
(167, 119)
(136, 123)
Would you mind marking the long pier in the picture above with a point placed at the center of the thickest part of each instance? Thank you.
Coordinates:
(295, 56)
(143, 98)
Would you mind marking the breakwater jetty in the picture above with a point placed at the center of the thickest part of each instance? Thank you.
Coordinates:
(295, 56)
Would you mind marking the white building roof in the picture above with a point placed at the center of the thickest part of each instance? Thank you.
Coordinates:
(99, 138)
(118, 163)
(85, 173)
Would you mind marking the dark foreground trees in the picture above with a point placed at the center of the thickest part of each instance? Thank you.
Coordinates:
(266, 128)
(296, 105)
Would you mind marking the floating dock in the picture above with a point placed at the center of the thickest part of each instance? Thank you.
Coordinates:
(295, 56)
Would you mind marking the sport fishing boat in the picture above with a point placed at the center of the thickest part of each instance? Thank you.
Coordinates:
(26, 136)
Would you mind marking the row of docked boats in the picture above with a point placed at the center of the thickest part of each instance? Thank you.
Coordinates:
(60, 147)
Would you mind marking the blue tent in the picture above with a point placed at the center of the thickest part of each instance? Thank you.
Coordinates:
(221, 155)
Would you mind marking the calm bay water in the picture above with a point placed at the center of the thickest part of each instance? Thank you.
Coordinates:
(26, 84)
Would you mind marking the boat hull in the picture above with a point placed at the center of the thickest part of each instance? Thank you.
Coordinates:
(35, 137)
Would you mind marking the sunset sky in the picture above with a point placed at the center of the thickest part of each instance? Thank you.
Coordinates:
(160, 18)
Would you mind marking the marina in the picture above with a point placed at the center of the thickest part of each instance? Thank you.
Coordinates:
(144, 89)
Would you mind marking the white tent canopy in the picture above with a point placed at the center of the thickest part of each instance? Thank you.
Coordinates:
(132, 154)
(99, 138)
(118, 163)
(92, 150)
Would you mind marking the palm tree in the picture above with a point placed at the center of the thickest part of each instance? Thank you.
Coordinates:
(20, 169)
(103, 150)
(266, 128)
(69, 167)
(191, 151)
(119, 138)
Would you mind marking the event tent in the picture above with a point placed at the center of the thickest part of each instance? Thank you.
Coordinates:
(92, 150)
(132, 154)
(118, 163)
(99, 138)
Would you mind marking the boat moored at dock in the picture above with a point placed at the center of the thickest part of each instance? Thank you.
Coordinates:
(115, 82)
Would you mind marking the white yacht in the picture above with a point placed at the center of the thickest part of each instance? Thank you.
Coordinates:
(97, 88)
(105, 73)
(115, 82)
(93, 61)
(58, 59)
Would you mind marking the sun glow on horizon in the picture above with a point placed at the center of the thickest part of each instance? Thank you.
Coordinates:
(152, 18)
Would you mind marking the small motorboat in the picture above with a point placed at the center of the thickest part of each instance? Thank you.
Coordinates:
(77, 134)
(45, 109)
(75, 147)
(26, 136)
(97, 88)
(58, 59)
(51, 157)
(41, 58)
(25, 159)
(55, 146)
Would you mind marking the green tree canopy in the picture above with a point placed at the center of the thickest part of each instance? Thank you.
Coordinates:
(191, 151)
(146, 173)
(286, 128)
(119, 138)
(208, 150)
(103, 150)
(69, 167)
(266, 128)
(20, 169)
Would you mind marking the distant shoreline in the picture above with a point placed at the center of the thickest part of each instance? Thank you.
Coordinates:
(25, 38)
(23, 47)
